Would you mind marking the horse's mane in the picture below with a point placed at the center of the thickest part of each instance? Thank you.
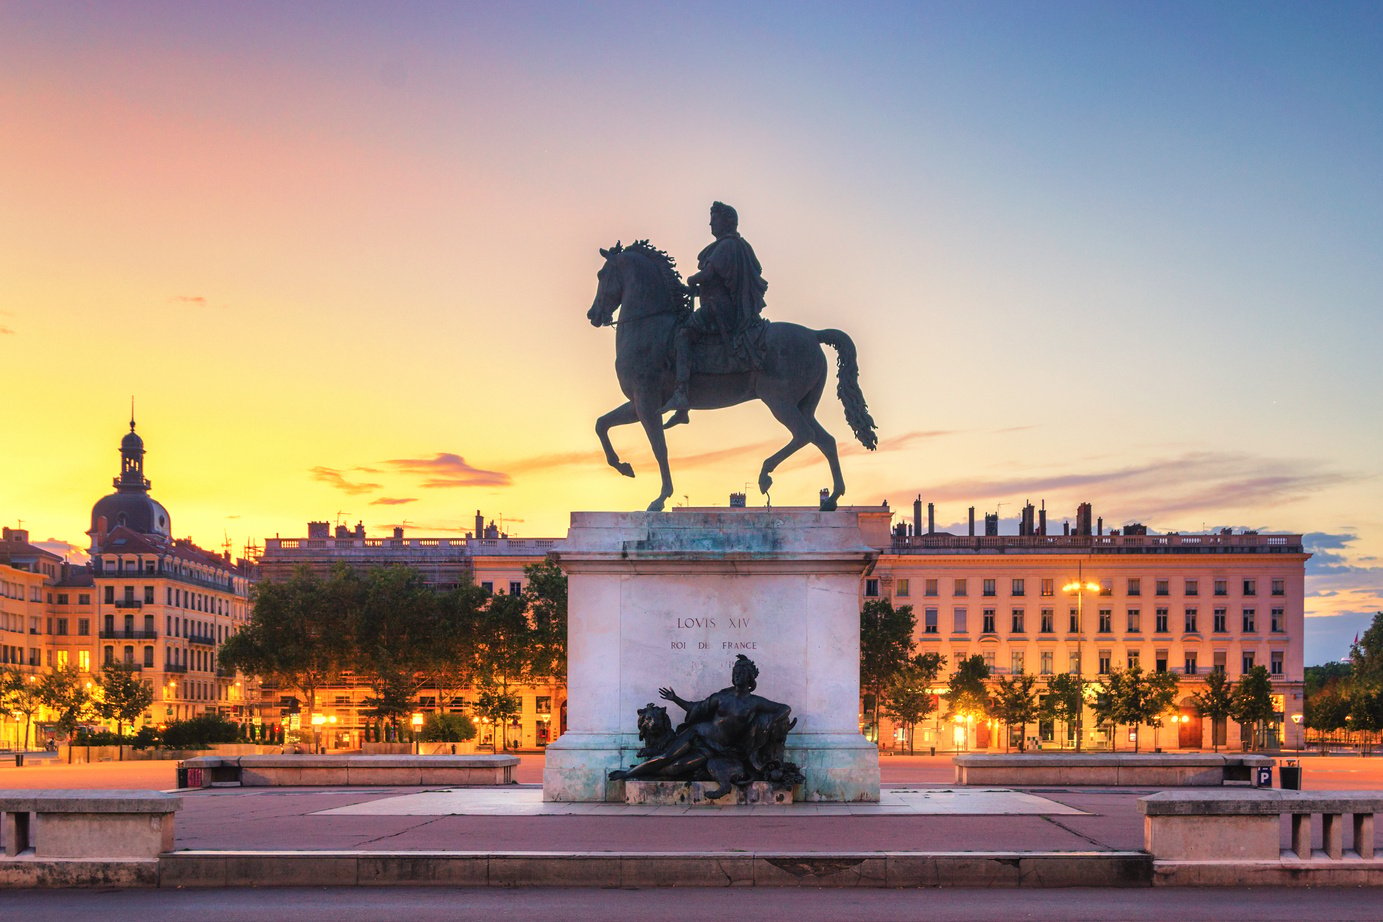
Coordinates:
(667, 270)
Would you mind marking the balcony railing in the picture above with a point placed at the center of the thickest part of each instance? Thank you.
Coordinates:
(178, 669)
(128, 603)
(205, 639)
(129, 635)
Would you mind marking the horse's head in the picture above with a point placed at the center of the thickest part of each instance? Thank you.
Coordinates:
(609, 289)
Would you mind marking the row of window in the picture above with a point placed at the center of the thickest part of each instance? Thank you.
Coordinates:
(175, 657)
(178, 598)
(14, 656)
(1018, 587)
(1190, 665)
(515, 586)
(1104, 621)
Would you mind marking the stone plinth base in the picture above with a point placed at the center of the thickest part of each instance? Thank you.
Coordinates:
(669, 599)
(693, 794)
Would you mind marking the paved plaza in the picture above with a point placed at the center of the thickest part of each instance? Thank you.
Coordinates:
(920, 810)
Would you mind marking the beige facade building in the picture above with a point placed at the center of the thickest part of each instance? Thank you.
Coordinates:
(1185, 604)
(158, 603)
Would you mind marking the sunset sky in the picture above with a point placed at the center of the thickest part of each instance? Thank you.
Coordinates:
(341, 254)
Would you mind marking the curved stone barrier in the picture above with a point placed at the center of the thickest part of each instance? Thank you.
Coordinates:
(383, 770)
(1197, 769)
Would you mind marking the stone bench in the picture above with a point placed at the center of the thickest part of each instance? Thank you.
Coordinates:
(383, 770)
(1108, 768)
(1245, 825)
(87, 824)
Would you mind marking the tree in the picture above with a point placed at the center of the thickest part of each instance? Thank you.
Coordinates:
(1252, 702)
(967, 696)
(908, 699)
(394, 618)
(885, 647)
(21, 695)
(1215, 701)
(65, 692)
(499, 706)
(1133, 698)
(1015, 703)
(452, 658)
(1065, 701)
(447, 728)
(1366, 656)
(123, 695)
(503, 655)
(299, 635)
(1326, 709)
(546, 597)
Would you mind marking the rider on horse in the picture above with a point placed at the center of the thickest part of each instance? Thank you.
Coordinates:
(731, 285)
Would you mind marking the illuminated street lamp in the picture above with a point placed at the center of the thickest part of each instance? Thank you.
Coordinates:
(1296, 719)
(317, 721)
(1080, 586)
(417, 722)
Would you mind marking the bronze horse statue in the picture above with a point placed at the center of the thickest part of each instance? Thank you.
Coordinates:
(643, 283)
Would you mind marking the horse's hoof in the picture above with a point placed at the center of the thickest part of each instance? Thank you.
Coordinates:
(656, 505)
(625, 468)
(765, 482)
(677, 419)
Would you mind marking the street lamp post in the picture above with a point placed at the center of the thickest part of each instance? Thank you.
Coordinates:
(1296, 721)
(417, 722)
(1080, 586)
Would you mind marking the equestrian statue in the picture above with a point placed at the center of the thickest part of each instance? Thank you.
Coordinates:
(671, 359)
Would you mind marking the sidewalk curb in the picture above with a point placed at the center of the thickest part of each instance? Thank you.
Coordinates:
(655, 869)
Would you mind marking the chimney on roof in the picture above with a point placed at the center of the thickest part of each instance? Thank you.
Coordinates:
(479, 524)
(1042, 519)
(991, 525)
(972, 521)
(318, 529)
(1099, 528)
(738, 501)
(931, 518)
(398, 531)
(342, 531)
(1026, 525)
(917, 515)
(1083, 514)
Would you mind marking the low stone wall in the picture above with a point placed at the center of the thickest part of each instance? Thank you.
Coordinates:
(79, 755)
(384, 770)
(1108, 768)
(1218, 838)
(53, 824)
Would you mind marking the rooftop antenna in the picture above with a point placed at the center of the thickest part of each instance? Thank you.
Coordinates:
(132, 412)
(339, 516)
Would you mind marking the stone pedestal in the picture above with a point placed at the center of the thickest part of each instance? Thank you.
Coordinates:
(669, 599)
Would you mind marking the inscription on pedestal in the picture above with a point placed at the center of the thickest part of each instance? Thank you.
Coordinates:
(736, 643)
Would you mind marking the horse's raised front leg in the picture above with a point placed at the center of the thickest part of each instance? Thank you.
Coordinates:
(620, 416)
(650, 414)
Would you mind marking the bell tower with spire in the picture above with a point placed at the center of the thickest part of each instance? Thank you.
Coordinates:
(130, 506)
(132, 479)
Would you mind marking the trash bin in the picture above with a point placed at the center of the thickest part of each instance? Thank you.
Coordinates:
(182, 776)
(1290, 773)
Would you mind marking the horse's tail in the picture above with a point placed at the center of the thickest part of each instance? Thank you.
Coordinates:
(848, 387)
